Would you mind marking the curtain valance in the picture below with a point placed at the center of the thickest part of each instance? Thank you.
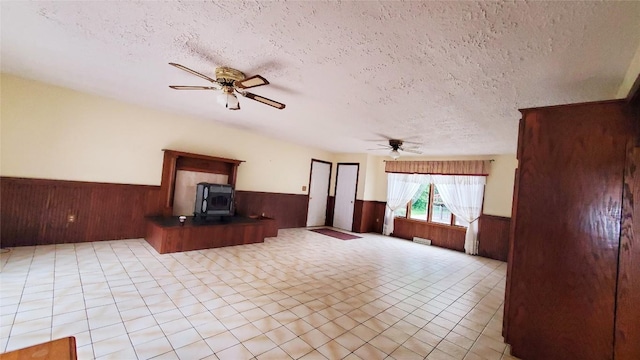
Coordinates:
(466, 167)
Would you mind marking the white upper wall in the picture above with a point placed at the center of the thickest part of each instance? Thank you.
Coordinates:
(56, 133)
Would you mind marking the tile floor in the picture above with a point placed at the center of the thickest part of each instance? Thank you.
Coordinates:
(301, 295)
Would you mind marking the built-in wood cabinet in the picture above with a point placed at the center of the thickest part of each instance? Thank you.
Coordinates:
(563, 285)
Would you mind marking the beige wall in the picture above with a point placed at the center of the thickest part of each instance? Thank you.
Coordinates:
(630, 77)
(499, 188)
(498, 191)
(360, 159)
(55, 133)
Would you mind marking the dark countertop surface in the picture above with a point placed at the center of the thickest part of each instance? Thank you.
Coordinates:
(173, 221)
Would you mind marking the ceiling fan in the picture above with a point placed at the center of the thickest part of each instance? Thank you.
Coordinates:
(230, 82)
(397, 145)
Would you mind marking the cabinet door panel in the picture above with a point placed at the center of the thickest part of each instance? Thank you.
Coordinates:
(562, 281)
(627, 314)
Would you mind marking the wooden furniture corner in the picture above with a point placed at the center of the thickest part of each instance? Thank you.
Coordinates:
(60, 349)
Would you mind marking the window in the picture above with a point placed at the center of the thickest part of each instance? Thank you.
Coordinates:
(427, 205)
(420, 203)
(440, 213)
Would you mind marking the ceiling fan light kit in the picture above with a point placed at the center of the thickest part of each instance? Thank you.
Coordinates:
(396, 146)
(229, 100)
(231, 82)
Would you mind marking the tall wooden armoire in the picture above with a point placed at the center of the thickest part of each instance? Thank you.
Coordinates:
(573, 279)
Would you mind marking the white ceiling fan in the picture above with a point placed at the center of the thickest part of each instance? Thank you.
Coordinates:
(230, 82)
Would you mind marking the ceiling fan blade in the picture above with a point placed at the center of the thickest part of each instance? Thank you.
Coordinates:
(403, 139)
(412, 147)
(253, 81)
(381, 148)
(179, 87)
(411, 151)
(182, 67)
(263, 100)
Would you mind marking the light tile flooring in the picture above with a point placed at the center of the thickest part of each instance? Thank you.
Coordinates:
(301, 295)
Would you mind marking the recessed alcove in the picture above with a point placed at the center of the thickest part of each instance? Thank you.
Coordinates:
(181, 171)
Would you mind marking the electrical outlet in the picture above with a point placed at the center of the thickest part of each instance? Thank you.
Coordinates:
(304, 188)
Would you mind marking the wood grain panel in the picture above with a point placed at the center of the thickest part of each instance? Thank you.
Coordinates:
(368, 216)
(36, 211)
(440, 235)
(167, 235)
(331, 203)
(289, 210)
(193, 164)
(357, 225)
(567, 231)
(507, 288)
(627, 335)
(493, 237)
(60, 349)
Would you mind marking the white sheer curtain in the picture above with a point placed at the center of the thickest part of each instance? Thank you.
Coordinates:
(400, 189)
(463, 196)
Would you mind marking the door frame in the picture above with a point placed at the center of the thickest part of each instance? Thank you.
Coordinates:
(306, 217)
(355, 194)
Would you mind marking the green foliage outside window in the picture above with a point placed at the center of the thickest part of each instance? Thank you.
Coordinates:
(420, 202)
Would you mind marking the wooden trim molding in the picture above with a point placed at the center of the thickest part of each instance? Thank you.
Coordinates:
(44, 212)
(493, 237)
(355, 193)
(309, 188)
(467, 167)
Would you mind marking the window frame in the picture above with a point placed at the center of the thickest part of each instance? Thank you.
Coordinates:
(430, 212)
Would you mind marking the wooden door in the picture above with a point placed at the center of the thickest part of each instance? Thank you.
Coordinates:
(318, 193)
(346, 186)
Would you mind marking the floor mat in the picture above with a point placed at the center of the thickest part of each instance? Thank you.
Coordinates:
(335, 234)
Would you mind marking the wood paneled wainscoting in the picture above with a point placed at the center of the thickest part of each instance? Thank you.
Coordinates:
(493, 237)
(449, 237)
(41, 212)
(331, 203)
(368, 216)
(289, 210)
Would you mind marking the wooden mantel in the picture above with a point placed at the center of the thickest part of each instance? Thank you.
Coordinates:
(179, 160)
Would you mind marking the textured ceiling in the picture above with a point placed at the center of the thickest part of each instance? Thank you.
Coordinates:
(451, 75)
